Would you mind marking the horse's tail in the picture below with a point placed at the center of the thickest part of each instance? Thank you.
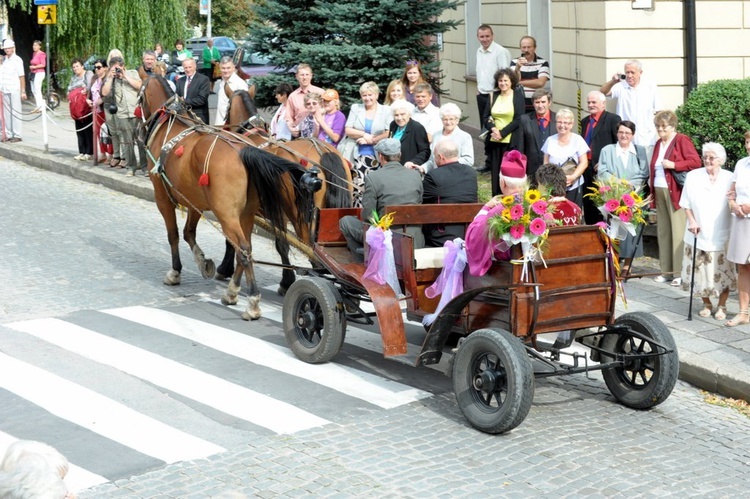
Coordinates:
(339, 189)
(266, 173)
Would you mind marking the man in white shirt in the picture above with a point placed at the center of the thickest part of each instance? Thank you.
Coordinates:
(13, 87)
(491, 56)
(637, 101)
(425, 112)
(230, 78)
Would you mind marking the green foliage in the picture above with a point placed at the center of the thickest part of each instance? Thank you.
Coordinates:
(348, 43)
(718, 111)
(89, 27)
(228, 17)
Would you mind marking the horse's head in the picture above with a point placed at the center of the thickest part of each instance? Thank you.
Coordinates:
(242, 114)
(155, 93)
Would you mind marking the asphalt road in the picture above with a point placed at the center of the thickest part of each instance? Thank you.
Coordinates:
(156, 391)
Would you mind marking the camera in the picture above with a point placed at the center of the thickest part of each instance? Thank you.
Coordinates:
(622, 76)
(112, 108)
(310, 181)
(118, 71)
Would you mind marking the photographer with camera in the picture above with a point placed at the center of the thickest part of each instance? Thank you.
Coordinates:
(637, 101)
(123, 84)
(531, 70)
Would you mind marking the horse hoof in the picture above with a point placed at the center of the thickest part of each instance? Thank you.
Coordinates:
(208, 269)
(250, 317)
(172, 278)
(221, 277)
(225, 300)
(282, 290)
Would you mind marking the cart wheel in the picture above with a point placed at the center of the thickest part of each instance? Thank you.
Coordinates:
(493, 380)
(313, 319)
(641, 384)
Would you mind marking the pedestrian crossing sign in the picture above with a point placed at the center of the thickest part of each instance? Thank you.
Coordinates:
(46, 14)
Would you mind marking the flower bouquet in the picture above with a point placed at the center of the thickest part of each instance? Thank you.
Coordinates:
(381, 265)
(620, 204)
(523, 218)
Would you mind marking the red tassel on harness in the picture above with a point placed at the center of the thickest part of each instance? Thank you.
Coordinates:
(179, 150)
(303, 162)
(203, 180)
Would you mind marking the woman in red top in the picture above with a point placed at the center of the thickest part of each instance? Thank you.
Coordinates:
(38, 66)
(674, 153)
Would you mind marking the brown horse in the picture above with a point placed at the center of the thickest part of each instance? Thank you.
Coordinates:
(203, 169)
(336, 189)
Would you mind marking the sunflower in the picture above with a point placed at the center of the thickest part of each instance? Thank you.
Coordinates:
(508, 200)
(532, 196)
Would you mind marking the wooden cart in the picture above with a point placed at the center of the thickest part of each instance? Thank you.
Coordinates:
(497, 318)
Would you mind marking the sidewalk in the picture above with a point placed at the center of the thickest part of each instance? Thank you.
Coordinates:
(712, 357)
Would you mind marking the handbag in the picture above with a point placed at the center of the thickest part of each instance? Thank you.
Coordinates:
(79, 108)
(679, 177)
(347, 148)
(216, 71)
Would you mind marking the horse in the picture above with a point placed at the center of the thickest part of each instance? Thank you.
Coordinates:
(336, 188)
(204, 169)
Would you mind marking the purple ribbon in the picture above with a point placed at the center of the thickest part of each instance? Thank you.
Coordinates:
(450, 283)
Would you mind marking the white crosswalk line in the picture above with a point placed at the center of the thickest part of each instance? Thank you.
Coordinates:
(355, 383)
(207, 389)
(77, 478)
(98, 413)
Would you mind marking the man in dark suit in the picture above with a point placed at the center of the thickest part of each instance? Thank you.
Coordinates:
(450, 182)
(535, 128)
(598, 129)
(390, 184)
(195, 89)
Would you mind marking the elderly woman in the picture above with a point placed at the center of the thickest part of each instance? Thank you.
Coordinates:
(415, 145)
(704, 199)
(501, 118)
(739, 238)
(626, 161)
(569, 151)
(673, 153)
(308, 127)
(413, 75)
(450, 115)
(367, 124)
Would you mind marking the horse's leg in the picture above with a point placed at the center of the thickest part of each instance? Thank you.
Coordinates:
(226, 268)
(244, 263)
(287, 275)
(167, 210)
(205, 265)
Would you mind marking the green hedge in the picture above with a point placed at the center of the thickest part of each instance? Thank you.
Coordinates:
(718, 111)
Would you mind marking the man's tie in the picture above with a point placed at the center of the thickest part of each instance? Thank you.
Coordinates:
(187, 84)
(541, 124)
(590, 130)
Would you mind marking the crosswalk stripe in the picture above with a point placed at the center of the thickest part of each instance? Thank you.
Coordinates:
(352, 382)
(207, 389)
(98, 413)
(77, 477)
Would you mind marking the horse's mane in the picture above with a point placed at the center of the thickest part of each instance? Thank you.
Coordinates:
(164, 84)
(247, 101)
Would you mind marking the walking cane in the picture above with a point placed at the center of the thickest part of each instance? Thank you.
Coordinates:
(692, 278)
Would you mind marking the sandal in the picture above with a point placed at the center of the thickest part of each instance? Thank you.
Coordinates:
(115, 163)
(737, 319)
(721, 313)
(706, 312)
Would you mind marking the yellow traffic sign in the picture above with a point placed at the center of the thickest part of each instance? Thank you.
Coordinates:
(46, 14)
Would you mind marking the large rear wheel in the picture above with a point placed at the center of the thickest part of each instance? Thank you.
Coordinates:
(493, 380)
(314, 320)
(641, 383)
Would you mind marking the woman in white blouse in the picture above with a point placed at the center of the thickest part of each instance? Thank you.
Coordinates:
(280, 122)
(564, 147)
(704, 199)
(450, 115)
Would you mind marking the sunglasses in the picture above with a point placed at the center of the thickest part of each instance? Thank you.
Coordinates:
(98, 67)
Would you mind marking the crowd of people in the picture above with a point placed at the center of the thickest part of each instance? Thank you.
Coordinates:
(638, 143)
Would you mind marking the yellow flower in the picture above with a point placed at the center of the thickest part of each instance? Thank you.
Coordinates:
(508, 201)
(621, 209)
(526, 219)
(636, 197)
(506, 212)
(532, 196)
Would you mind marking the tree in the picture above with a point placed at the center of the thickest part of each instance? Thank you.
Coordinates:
(718, 111)
(348, 43)
(228, 17)
(94, 27)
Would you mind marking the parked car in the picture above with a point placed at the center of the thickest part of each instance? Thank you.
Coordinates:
(226, 46)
